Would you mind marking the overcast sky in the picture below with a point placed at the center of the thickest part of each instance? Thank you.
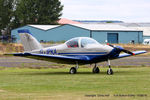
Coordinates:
(124, 10)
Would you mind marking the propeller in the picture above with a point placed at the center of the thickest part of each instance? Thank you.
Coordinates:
(121, 49)
(127, 51)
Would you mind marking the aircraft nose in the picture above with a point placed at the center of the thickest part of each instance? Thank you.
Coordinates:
(115, 52)
(121, 49)
(117, 49)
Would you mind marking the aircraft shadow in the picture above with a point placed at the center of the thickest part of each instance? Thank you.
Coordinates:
(78, 73)
(56, 73)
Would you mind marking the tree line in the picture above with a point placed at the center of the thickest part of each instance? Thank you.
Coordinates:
(17, 13)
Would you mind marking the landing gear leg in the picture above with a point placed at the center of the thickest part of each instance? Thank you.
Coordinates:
(109, 71)
(96, 69)
(73, 70)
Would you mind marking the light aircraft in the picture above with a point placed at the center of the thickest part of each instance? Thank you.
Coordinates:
(78, 51)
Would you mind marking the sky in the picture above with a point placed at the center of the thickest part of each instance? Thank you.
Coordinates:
(122, 10)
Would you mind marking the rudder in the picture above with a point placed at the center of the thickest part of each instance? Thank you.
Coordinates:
(29, 42)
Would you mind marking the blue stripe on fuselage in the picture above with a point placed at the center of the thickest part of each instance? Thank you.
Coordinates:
(83, 53)
(94, 56)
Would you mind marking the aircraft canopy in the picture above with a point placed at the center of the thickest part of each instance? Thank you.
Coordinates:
(80, 42)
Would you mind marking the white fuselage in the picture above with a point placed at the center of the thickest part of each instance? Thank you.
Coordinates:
(91, 49)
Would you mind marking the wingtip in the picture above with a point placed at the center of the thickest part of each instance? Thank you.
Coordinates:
(133, 53)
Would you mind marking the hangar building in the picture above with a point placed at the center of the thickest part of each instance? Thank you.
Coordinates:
(112, 33)
(145, 27)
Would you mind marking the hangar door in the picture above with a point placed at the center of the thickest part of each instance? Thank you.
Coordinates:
(112, 37)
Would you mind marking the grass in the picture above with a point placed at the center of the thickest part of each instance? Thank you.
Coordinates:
(57, 84)
(10, 47)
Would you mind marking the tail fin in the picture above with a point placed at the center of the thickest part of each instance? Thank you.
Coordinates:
(29, 42)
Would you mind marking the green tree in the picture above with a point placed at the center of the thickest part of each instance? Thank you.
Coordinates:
(6, 9)
(38, 12)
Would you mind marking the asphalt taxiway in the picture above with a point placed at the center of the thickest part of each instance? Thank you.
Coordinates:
(6, 61)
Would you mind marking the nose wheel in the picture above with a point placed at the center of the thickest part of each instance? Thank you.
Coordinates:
(109, 71)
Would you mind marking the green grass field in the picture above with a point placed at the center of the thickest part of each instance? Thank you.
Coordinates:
(57, 84)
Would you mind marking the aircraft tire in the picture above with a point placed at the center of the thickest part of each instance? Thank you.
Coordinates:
(73, 70)
(110, 71)
(96, 70)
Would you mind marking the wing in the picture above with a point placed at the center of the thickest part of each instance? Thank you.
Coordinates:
(69, 59)
(126, 55)
(54, 58)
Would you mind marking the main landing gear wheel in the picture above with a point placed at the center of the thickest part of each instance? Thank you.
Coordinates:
(109, 71)
(73, 70)
(96, 70)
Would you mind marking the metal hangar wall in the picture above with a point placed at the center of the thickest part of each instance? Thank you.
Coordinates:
(101, 32)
